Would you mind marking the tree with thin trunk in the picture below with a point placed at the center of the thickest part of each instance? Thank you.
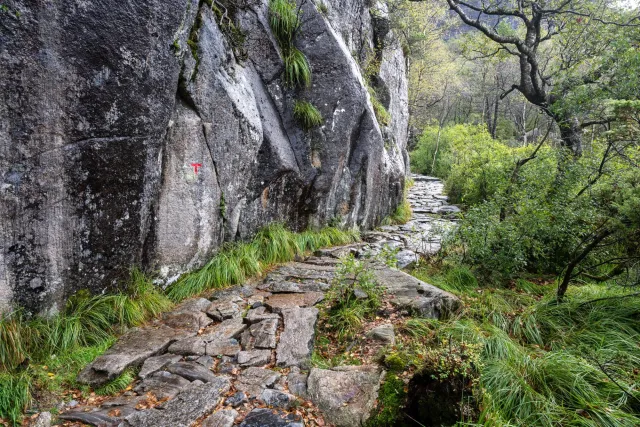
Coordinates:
(562, 47)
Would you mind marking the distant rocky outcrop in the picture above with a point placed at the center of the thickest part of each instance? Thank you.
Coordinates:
(149, 133)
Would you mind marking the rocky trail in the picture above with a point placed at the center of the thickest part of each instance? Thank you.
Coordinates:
(242, 355)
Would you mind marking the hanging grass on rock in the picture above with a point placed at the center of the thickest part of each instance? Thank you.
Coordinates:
(234, 263)
(306, 114)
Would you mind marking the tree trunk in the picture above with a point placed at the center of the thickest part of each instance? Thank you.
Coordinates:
(570, 134)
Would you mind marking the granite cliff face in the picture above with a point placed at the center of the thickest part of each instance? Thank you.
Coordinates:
(149, 133)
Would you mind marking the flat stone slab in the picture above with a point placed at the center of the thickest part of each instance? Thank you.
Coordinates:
(254, 357)
(157, 363)
(162, 384)
(296, 341)
(219, 333)
(91, 418)
(286, 286)
(416, 295)
(253, 380)
(279, 302)
(346, 395)
(261, 335)
(182, 411)
(130, 350)
(263, 417)
(224, 309)
(259, 314)
(384, 333)
(192, 371)
(221, 418)
(276, 398)
(191, 320)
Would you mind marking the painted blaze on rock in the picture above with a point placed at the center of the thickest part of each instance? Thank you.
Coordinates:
(119, 148)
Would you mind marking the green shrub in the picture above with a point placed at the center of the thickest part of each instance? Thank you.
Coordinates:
(307, 115)
(354, 296)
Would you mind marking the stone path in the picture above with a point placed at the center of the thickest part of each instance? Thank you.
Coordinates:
(242, 356)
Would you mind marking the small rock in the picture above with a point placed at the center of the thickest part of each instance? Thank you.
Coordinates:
(261, 335)
(42, 420)
(162, 384)
(157, 363)
(360, 294)
(253, 380)
(91, 418)
(192, 321)
(255, 301)
(191, 371)
(222, 310)
(227, 365)
(276, 398)
(72, 404)
(384, 333)
(221, 418)
(206, 361)
(236, 399)
(254, 357)
(263, 417)
(259, 314)
(297, 383)
(229, 347)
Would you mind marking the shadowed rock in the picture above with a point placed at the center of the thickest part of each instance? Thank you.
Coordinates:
(296, 341)
(346, 395)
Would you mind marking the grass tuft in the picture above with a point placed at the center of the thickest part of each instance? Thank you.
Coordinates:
(307, 115)
(297, 71)
(118, 384)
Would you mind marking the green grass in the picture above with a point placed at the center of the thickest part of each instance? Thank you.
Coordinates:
(543, 363)
(236, 262)
(306, 114)
(46, 354)
(118, 384)
(402, 213)
(284, 21)
(382, 115)
(297, 71)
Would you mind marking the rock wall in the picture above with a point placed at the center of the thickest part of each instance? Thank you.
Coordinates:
(122, 144)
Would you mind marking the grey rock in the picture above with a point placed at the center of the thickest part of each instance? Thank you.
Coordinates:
(228, 347)
(346, 395)
(255, 301)
(449, 209)
(192, 305)
(277, 398)
(97, 419)
(279, 302)
(263, 417)
(132, 117)
(221, 418)
(162, 384)
(384, 333)
(259, 314)
(157, 363)
(227, 365)
(192, 371)
(254, 357)
(406, 258)
(42, 420)
(236, 399)
(206, 361)
(261, 335)
(253, 380)
(222, 310)
(360, 294)
(416, 295)
(296, 341)
(297, 383)
(131, 350)
(192, 321)
(184, 409)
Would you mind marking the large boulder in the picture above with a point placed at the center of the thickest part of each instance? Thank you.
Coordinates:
(122, 144)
